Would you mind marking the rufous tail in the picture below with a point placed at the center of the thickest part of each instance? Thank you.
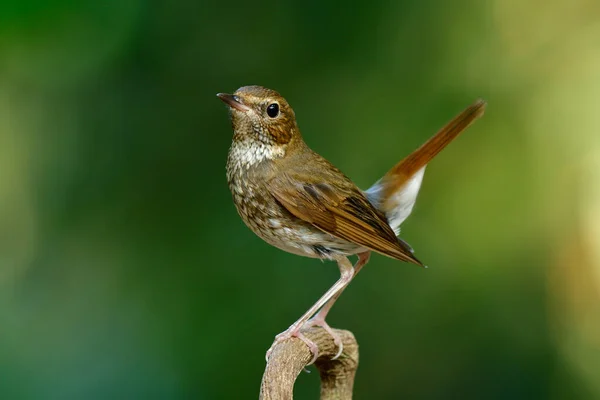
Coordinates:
(401, 172)
(396, 192)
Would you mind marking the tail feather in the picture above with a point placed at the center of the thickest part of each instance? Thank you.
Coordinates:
(396, 193)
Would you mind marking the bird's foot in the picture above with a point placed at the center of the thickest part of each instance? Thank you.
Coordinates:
(320, 321)
(291, 332)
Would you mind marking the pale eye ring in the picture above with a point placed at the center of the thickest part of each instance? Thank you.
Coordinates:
(273, 110)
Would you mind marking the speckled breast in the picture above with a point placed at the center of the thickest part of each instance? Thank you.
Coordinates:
(275, 225)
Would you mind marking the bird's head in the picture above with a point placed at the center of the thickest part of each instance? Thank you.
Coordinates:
(261, 115)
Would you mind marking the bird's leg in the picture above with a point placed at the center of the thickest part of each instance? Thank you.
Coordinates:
(347, 273)
(363, 259)
(319, 318)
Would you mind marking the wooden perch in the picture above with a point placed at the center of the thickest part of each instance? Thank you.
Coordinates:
(290, 357)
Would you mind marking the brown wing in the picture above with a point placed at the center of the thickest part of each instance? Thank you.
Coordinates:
(343, 213)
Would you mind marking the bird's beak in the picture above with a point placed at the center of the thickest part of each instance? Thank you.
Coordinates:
(233, 102)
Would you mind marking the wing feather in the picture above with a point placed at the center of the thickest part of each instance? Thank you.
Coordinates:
(344, 213)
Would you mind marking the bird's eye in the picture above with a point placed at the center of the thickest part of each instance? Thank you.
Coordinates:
(273, 110)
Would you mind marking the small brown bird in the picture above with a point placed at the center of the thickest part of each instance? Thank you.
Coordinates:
(296, 200)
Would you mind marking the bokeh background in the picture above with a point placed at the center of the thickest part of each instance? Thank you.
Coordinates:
(126, 273)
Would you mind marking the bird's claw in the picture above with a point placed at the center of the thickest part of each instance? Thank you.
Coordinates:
(290, 333)
(318, 321)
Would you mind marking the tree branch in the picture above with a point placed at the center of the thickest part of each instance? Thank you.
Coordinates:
(290, 357)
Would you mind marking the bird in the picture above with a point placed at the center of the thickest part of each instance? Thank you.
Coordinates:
(296, 200)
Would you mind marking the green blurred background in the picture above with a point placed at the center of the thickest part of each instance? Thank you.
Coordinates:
(125, 271)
